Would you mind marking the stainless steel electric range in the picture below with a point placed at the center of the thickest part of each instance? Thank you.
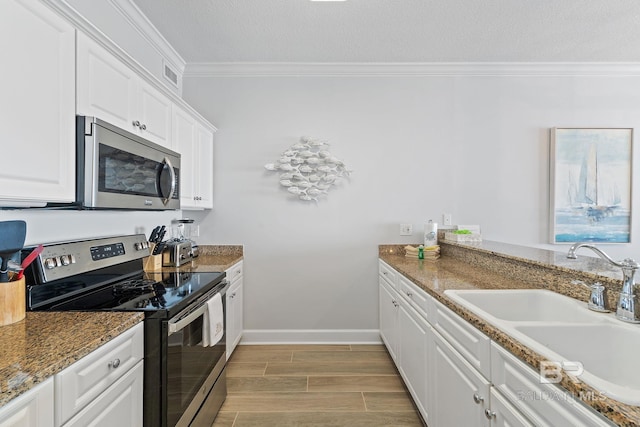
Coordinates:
(184, 381)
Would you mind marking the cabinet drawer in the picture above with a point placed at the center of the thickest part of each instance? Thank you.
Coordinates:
(83, 381)
(418, 298)
(234, 272)
(388, 273)
(472, 344)
(543, 404)
(119, 405)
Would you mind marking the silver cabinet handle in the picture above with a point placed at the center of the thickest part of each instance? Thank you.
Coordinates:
(136, 123)
(489, 413)
(114, 363)
(395, 303)
(409, 294)
(477, 398)
(143, 126)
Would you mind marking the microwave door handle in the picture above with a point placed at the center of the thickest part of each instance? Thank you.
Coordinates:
(167, 198)
(182, 321)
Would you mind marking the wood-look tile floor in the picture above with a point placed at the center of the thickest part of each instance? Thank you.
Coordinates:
(315, 385)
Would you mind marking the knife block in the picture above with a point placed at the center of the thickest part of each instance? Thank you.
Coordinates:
(153, 262)
(12, 302)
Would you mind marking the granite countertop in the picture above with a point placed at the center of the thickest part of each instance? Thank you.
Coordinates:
(452, 271)
(45, 343)
(214, 258)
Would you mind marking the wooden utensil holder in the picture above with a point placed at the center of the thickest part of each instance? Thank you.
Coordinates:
(12, 302)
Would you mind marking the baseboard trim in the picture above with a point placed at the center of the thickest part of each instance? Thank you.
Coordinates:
(311, 336)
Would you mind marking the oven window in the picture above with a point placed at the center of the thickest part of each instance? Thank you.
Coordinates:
(188, 366)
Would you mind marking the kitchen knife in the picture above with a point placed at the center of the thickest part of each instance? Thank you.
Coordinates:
(161, 234)
(154, 235)
(157, 250)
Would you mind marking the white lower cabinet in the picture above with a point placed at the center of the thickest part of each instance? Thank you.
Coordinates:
(234, 313)
(119, 405)
(461, 394)
(106, 381)
(546, 404)
(413, 360)
(457, 376)
(31, 409)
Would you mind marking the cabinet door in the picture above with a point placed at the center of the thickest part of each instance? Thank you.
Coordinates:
(503, 414)
(82, 382)
(119, 405)
(204, 178)
(413, 355)
(184, 141)
(154, 114)
(34, 408)
(234, 314)
(460, 394)
(389, 319)
(107, 88)
(37, 105)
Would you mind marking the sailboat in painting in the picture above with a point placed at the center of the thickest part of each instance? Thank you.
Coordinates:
(594, 194)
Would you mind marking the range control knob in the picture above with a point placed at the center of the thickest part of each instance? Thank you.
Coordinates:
(65, 259)
(50, 263)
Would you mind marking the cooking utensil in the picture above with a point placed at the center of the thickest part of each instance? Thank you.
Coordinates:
(12, 235)
(28, 260)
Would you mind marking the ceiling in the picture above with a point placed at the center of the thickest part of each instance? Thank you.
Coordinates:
(399, 31)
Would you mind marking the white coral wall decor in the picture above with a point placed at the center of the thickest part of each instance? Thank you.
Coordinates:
(308, 170)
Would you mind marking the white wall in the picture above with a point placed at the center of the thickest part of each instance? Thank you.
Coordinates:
(473, 146)
(47, 226)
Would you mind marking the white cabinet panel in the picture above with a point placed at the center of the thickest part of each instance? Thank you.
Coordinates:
(120, 405)
(31, 409)
(106, 86)
(413, 360)
(461, 394)
(235, 301)
(194, 142)
(37, 105)
(89, 377)
(389, 308)
(545, 404)
(110, 90)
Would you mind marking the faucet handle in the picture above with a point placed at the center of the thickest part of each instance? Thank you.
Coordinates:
(598, 299)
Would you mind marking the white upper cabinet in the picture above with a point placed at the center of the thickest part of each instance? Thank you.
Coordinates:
(37, 105)
(110, 90)
(194, 142)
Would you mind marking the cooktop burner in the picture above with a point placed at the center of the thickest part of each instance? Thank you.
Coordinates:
(140, 293)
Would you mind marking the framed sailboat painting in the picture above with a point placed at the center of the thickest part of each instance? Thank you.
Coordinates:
(590, 185)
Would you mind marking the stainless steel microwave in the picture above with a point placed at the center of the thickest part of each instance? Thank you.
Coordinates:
(119, 170)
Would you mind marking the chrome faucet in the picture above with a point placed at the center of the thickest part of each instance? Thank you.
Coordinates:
(628, 309)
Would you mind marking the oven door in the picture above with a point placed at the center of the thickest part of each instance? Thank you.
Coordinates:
(194, 373)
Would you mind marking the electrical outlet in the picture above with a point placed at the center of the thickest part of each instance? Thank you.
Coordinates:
(446, 219)
(406, 229)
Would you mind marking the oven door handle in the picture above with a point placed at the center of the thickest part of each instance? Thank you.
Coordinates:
(182, 321)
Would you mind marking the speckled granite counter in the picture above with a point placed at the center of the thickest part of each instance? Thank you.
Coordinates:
(215, 258)
(493, 265)
(45, 343)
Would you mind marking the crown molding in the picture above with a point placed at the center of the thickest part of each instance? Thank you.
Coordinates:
(516, 69)
(139, 21)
